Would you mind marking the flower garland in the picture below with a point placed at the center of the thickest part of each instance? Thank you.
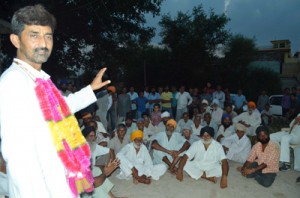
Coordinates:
(67, 138)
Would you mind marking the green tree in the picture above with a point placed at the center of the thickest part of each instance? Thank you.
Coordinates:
(193, 39)
(239, 52)
(93, 33)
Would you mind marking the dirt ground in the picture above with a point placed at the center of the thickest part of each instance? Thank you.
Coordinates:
(284, 186)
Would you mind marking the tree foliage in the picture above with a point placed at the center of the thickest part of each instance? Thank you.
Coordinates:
(193, 39)
(94, 33)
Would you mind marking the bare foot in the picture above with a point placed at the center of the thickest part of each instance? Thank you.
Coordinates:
(144, 179)
(239, 169)
(173, 170)
(179, 175)
(211, 179)
(135, 181)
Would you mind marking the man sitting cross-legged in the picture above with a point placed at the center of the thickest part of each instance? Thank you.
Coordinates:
(136, 162)
(205, 159)
(262, 162)
(165, 146)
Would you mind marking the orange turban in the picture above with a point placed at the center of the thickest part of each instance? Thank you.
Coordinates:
(136, 134)
(172, 122)
(252, 104)
(112, 89)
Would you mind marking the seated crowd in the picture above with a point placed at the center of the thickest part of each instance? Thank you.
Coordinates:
(177, 132)
(196, 135)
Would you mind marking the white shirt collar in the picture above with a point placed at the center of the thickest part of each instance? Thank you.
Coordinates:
(32, 72)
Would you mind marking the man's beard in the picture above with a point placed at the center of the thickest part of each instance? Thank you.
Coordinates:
(206, 141)
(169, 133)
(266, 141)
(92, 145)
(226, 125)
(137, 146)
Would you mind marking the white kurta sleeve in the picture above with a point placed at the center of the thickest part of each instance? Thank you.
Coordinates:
(81, 99)
(125, 164)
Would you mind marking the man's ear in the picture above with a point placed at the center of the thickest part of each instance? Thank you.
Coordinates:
(15, 40)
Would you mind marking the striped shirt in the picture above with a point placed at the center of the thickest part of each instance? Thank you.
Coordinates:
(270, 156)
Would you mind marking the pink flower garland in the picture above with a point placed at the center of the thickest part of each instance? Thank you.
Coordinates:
(76, 158)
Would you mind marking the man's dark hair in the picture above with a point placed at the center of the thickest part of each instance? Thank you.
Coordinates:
(121, 126)
(260, 129)
(31, 15)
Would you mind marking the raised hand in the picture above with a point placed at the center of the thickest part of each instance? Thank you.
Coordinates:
(97, 82)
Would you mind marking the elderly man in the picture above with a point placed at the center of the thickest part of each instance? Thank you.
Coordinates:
(165, 146)
(165, 116)
(119, 141)
(250, 119)
(205, 159)
(285, 139)
(216, 112)
(188, 135)
(262, 162)
(184, 121)
(226, 129)
(237, 146)
(136, 162)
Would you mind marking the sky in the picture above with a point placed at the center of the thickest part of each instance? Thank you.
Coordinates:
(264, 20)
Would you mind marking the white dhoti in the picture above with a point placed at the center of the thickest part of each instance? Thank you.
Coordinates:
(141, 161)
(196, 169)
(208, 161)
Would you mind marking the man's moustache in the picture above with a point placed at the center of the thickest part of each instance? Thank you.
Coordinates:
(42, 49)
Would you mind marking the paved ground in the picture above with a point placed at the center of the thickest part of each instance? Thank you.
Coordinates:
(285, 186)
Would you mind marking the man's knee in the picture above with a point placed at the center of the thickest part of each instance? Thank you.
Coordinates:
(266, 180)
(286, 138)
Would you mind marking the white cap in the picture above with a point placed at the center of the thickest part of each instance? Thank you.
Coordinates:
(165, 114)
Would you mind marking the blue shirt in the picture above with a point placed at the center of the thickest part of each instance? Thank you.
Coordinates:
(141, 104)
(152, 96)
(239, 100)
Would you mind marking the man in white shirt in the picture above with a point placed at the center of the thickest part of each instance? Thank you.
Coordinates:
(285, 139)
(250, 119)
(184, 121)
(220, 96)
(226, 129)
(216, 112)
(206, 159)
(133, 96)
(136, 162)
(184, 99)
(196, 126)
(165, 146)
(237, 146)
(24, 98)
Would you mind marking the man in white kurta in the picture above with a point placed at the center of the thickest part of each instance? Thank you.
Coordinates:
(285, 138)
(237, 146)
(206, 159)
(250, 119)
(38, 172)
(226, 129)
(135, 155)
(216, 112)
(184, 121)
(165, 145)
(196, 126)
